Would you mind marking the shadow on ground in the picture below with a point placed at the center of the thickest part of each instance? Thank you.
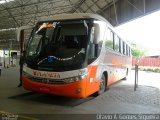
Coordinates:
(50, 99)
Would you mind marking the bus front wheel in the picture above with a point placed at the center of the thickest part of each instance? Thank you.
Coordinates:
(102, 86)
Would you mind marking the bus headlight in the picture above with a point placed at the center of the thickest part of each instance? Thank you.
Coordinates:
(72, 79)
(82, 74)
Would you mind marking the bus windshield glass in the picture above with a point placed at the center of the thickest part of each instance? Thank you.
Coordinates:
(58, 45)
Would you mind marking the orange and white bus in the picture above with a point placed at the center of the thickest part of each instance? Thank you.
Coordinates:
(74, 55)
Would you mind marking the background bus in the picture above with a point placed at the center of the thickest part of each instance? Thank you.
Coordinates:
(74, 55)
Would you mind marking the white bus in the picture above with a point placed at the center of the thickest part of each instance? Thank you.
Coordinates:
(74, 55)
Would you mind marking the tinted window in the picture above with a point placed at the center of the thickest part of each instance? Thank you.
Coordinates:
(116, 43)
(121, 46)
(124, 48)
(58, 46)
(109, 41)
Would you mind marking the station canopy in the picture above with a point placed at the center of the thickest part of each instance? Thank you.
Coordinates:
(16, 13)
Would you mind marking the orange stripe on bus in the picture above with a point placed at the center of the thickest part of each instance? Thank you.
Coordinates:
(92, 85)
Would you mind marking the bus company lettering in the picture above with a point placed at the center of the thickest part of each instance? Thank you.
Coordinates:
(46, 74)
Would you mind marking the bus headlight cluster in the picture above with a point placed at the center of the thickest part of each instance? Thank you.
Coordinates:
(82, 74)
(72, 79)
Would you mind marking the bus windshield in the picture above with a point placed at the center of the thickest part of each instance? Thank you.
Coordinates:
(58, 46)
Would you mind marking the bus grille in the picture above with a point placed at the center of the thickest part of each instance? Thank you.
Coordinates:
(47, 81)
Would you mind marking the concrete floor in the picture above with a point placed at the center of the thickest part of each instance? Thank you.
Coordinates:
(119, 99)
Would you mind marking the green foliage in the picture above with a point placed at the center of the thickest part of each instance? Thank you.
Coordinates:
(137, 53)
(148, 69)
(109, 43)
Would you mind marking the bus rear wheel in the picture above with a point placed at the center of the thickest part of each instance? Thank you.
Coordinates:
(102, 86)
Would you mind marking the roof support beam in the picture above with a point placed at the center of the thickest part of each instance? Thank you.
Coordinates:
(77, 6)
(115, 11)
(10, 15)
(32, 13)
(144, 5)
(89, 7)
(74, 7)
(32, 4)
(134, 6)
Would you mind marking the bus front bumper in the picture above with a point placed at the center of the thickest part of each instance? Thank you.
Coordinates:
(75, 89)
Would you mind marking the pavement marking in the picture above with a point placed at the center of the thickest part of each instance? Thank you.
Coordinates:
(13, 116)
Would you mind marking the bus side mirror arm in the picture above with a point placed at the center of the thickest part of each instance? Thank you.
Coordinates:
(20, 29)
(20, 37)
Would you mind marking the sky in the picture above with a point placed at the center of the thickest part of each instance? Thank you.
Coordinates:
(144, 31)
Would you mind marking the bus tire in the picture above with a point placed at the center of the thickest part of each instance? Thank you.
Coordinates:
(102, 87)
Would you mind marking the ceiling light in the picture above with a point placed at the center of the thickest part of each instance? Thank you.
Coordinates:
(5, 1)
(2, 1)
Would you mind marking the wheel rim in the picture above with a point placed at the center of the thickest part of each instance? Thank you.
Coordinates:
(102, 85)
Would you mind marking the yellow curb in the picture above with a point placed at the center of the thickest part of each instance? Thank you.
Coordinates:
(15, 116)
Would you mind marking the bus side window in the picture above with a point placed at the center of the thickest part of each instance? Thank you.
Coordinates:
(91, 48)
(109, 40)
(124, 48)
(95, 44)
(121, 46)
(116, 43)
(128, 51)
(99, 47)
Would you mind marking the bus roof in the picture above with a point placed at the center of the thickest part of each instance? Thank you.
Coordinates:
(74, 16)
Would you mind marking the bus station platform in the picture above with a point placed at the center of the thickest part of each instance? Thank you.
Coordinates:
(120, 98)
